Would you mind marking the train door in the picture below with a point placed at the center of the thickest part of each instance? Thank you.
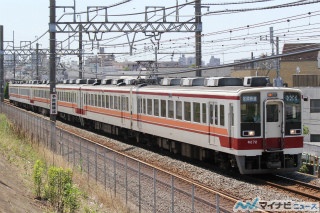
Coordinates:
(231, 124)
(213, 122)
(274, 120)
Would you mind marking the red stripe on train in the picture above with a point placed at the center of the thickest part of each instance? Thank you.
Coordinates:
(257, 143)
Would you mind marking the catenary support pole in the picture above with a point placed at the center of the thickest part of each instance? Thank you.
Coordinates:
(1, 65)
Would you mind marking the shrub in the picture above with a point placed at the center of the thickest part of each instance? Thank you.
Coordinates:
(38, 170)
(71, 197)
(60, 191)
(304, 169)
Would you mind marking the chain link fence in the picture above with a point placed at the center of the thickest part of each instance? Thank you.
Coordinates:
(140, 186)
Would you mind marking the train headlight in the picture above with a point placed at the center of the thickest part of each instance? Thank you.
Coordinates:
(295, 131)
(248, 133)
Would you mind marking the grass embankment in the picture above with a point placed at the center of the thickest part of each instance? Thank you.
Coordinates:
(23, 153)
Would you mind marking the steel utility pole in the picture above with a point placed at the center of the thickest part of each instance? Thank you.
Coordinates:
(37, 61)
(1, 65)
(52, 30)
(80, 52)
(198, 36)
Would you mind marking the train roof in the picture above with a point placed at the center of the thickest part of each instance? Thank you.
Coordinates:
(223, 90)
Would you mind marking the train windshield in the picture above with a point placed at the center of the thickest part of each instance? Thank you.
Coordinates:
(250, 108)
(292, 106)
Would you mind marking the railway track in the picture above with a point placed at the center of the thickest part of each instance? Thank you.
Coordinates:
(201, 193)
(311, 192)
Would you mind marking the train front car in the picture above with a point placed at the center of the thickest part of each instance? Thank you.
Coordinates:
(270, 139)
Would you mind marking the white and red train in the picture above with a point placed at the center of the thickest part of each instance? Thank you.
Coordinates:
(255, 128)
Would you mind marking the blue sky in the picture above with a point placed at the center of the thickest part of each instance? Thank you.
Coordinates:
(226, 36)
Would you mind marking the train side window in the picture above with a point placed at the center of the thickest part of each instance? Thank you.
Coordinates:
(107, 101)
(124, 103)
(216, 115)
(222, 115)
(99, 101)
(204, 113)
(127, 103)
(144, 107)
(179, 110)
(163, 108)
(156, 107)
(139, 104)
(187, 111)
(95, 100)
(103, 101)
(111, 102)
(91, 100)
(211, 113)
(116, 102)
(170, 109)
(149, 106)
(196, 112)
(119, 103)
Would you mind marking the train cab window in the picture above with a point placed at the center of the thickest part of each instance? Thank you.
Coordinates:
(250, 108)
(222, 115)
(149, 106)
(163, 108)
(187, 111)
(196, 112)
(156, 107)
(179, 110)
(170, 109)
(204, 113)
